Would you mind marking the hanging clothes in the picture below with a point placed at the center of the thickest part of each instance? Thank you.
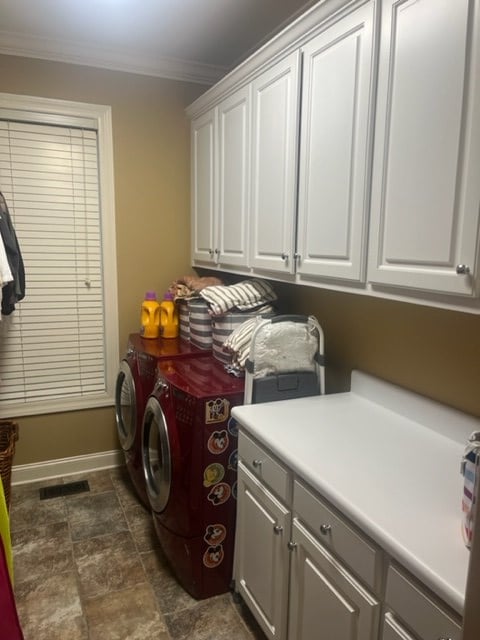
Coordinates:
(5, 273)
(13, 291)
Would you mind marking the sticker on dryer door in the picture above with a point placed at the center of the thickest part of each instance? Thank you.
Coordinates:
(213, 474)
(219, 494)
(218, 442)
(215, 534)
(216, 410)
(213, 556)
(232, 426)
(233, 460)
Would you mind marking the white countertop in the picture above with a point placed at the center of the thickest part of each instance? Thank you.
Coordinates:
(398, 478)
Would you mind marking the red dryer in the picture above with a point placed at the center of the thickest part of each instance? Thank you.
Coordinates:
(134, 384)
(190, 465)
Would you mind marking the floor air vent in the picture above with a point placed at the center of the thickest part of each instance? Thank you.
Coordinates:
(67, 489)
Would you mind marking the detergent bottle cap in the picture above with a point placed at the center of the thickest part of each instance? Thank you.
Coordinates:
(150, 295)
(168, 296)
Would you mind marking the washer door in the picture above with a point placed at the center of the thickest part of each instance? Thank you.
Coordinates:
(156, 456)
(125, 406)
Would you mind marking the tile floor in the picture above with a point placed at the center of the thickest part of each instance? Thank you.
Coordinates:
(88, 567)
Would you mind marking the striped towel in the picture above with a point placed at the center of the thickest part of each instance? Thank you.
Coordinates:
(238, 342)
(243, 296)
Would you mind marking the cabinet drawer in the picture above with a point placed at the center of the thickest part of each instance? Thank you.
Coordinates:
(354, 549)
(264, 466)
(417, 610)
(393, 631)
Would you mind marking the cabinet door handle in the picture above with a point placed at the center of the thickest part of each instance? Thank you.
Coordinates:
(257, 463)
(284, 257)
(210, 252)
(462, 269)
(325, 528)
(277, 529)
(291, 545)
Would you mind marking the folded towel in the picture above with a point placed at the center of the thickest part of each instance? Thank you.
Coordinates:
(244, 296)
(238, 343)
(189, 286)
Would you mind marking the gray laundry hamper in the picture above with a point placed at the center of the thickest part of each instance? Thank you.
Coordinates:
(286, 360)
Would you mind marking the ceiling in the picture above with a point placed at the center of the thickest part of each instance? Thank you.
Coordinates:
(194, 40)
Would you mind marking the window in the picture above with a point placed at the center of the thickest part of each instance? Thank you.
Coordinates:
(59, 348)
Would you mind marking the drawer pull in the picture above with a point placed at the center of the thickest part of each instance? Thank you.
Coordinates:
(291, 545)
(325, 528)
(277, 529)
(257, 463)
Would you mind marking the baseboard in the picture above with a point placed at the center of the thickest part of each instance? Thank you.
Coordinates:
(65, 466)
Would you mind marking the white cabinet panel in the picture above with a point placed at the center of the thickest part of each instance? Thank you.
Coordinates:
(261, 555)
(420, 611)
(326, 602)
(334, 148)
(392, 630)
(275, 101)
(203, 186)
(356, 551)
(233, 178)
(424, 198)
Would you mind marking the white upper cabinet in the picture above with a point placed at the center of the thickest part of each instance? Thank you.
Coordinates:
(335, 148)
(220, 182)
(426, 186)
(275, 110)
(203, 186)
(233, 178)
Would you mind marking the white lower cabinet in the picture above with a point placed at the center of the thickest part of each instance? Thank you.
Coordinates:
(296, 588)
(409, 606)
(326, 601)
(307, 573)
(261, 564)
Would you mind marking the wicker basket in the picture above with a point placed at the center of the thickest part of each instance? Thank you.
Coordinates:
(8, 437)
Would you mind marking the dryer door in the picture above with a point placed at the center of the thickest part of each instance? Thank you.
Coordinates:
(125, 406)
(157, 465)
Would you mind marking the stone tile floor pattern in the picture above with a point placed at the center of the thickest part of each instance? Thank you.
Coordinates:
(88, 567)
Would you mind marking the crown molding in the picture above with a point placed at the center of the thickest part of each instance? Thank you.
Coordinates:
(292, 37)
(15, 44)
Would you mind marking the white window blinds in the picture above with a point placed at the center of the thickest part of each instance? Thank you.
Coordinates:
(53, 353)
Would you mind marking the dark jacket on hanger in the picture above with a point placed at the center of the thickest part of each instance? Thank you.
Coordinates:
(12, 292)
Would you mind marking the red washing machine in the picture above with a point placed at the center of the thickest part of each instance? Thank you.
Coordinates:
(134, 384)
(190, 465)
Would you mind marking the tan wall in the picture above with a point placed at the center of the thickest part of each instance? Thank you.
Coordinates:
(152, 164)
(431, 351)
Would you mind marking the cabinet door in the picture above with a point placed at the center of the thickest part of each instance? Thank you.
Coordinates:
(261, 555)
(233, 178)
(335, 148)
(326, 602)
(203, 186)
(426, 192)
(275, 112)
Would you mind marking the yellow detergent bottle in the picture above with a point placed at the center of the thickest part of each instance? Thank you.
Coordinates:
(150, 316)
(169, 323)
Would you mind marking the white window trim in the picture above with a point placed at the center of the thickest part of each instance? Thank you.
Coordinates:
(51, 111)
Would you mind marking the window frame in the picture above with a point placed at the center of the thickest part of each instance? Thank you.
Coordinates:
(54, 111)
